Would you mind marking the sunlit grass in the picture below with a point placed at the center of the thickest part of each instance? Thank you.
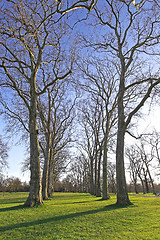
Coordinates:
(79, 216)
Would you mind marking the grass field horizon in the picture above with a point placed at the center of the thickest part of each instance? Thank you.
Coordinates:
(79, 216)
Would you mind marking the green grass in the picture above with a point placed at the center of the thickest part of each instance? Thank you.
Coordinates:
(79, 216)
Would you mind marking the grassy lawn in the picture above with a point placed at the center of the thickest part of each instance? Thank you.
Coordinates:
(79, 216)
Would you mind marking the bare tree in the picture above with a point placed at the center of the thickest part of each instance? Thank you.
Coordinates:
(28, 36)
(111, 168)
(102, 83)
(153, 141)
(56, 127)
(128, 36)
(3, 155)
(135, 166)
(91, 142)
(141, 159)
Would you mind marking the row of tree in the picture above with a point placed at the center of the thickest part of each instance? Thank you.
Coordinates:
(13, 185)
(48, 62)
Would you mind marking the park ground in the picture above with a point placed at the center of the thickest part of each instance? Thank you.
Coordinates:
(79, 216)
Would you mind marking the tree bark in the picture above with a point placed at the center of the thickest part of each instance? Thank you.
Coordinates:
(98, 189)
(46, 170)
(47, 152)
(95, 174)
(105, 194)
(122, 194)
(91, 177)
(51, 175)
(35, 195)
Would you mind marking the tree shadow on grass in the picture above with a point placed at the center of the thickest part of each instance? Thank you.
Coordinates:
(70, 203)
(111, 207)
(12, 208)
(10, 201)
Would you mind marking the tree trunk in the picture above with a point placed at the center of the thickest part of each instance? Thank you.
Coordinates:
(46, 170)
(105, 194)
(95, 174)
(35, 195)
(98, 192)
(146, 181)
(91, 178)
(150, 177)
(51, 175)
(135, 185)
(122, 194)
(142, 183)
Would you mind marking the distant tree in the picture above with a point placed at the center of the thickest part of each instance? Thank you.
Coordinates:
(141, 159)
(135, 166)
(101, 83)
(3, 155)
(111, 168)
(91, 144)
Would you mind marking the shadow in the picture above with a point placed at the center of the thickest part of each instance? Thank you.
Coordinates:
(12, 208)
(69, 203)
(101, 199)
(70, 194)
(58, 218)
(14, 200)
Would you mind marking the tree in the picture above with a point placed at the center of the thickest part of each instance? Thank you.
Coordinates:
(129, 36)
(141, 157)
(56, 121)
(28, 35)
(135, 166)
(111, 168)
(101, 83)
(91, 144)
(3, 155)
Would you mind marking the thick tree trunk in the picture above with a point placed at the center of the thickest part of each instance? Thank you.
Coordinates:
(35, 195)
(105, 194)
(122, 195)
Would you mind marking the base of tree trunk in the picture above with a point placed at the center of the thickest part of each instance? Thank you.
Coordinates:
(123, 202)
(32, 202)
(106, 197)
(46, 199)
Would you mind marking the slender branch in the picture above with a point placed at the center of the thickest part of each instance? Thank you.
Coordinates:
(147, 95)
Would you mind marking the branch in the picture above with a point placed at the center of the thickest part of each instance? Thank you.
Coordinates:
(15, 86)
(52, 82)
(147, 95)
(77, 5)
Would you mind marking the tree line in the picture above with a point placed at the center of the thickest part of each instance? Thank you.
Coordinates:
(74, 75)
